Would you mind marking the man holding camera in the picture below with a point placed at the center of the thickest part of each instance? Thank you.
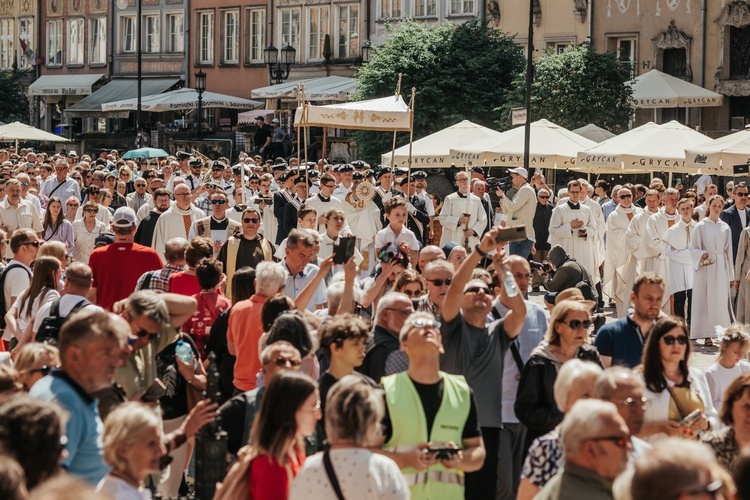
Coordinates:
(562, 272)
(520, 211)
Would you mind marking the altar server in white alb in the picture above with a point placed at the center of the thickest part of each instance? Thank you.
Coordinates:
(617, 228)
(680, 260)
(462, 217)
(652, 249)
(598, 215)
(573, 227)
(714, 271)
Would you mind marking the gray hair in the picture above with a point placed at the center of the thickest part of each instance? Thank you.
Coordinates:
(387, 301)
(562, 193)
(606, 383)
(270, 277)
(85, 326)
(585, 420)
(569, 375)
(439, 265)
(149, 304)
(175, 248)
(356, 410)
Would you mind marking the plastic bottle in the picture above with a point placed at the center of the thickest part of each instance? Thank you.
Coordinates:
(509, 282)
(183, 351)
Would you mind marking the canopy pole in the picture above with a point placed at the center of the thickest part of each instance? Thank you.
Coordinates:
(669, 182)
(468, 204)
(325, 139)
(302, 118)
(411, 135)
(655, 116)
(393, 147)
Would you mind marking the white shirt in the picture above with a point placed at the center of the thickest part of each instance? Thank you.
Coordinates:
(42, 300)
(386, 235)
(118, 489)
(67, 302)
(297, 282)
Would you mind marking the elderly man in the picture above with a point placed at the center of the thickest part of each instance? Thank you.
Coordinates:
(626, 390)
(16, 213)
(462, 216)
(25, 181)
(520, 210)
(608, 207)
(177, 220)
(299, 247)
(61, 185)
(382, 356)
(737, 215)
(90, 346)
(418, 391)
(174, 255)
(596, 444)
(428, 254)
(617, 228)
(139, 197)
(437, 277)
(477, 351)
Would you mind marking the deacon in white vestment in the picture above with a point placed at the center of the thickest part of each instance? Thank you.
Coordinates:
(598, 216)
(269, 224)
(680, 260)
(573, 227)
(177, 221)
(457, 226)
(617, 228)
(324, 201)
(713, 237)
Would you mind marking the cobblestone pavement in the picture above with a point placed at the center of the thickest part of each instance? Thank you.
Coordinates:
(701, 356)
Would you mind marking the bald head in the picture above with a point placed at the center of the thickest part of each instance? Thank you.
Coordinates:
(428, 254)
(521, 271)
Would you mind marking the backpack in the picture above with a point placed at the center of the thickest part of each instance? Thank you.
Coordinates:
(3, 306)
(49, 330)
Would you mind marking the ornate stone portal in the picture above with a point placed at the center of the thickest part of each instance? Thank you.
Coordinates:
(733, 15)
(673, 38)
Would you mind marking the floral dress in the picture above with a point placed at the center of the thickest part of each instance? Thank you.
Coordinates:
(544, 459)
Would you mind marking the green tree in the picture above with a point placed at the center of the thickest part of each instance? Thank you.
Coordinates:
(459, 72)
(576, 87)
(15, 107)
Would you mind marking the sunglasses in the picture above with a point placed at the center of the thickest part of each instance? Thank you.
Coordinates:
(143, 333)
(293, 363)
(90, 210)
(76, 178)
(150, 176)
(544, 197)
(670, 340)
(477, 289)
(621, 441)
(626, 196)
(140, 185)
(218, 202)
(423, 322)
(25, 184)
(250, 220)
(740, 194)
(576, 324)
(72, 204)
(44, 370)
(32, 243)
(93, 191)
(446, 281)
(412, 293)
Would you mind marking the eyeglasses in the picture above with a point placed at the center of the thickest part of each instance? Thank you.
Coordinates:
(140, 185)
(292, 363)
(329, 185)
(218, 202)
(412, 293)
(403, 312)
(143, 333)
(32, 243)
(151, 176)
(25, 184)
(670, 339)
(76, 178)
(440, 282)
(622, 196)
(576, 324)
(90, 210)
(250, 220)
(477, 289)
(740, 194)
(423, 322)
(621, 441)
(543, 197)
(72, 205)
(630, 403)
(44, 370)
(93, 191)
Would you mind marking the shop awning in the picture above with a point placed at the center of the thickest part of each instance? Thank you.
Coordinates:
(327, 88)
(64, 84)
(116, 90)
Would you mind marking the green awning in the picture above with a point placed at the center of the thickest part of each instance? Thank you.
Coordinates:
(117, 90)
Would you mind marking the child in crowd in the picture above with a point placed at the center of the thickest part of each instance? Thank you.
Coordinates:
(396, 232)
(211, 303)
(735, 343)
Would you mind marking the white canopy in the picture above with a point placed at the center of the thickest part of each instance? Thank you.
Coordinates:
(648, 148)
(386, 113)
(182, 99)
(434, 150)
(660, 90)
(720, 155)
(594, 133)
(327, 88)
(18, 131)
(552, 146)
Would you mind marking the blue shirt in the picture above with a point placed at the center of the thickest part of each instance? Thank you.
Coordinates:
(622, 340)
(84, 427)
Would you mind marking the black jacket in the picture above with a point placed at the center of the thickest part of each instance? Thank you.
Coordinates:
(382, 344)
(535, 401)
(419, 216)
(732, 217)
(566, 276)
(542, 217)
(145, 233)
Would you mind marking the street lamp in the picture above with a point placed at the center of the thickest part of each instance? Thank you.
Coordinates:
(200, 87)
(278, 69)
(366, 51)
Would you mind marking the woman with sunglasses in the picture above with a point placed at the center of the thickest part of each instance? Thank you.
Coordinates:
(566, 338)
(35, 361)
(56, 227)
(86, 230)
(675, 389)
(410, 283)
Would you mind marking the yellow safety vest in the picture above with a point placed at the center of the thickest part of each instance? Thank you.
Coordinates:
(409, 429)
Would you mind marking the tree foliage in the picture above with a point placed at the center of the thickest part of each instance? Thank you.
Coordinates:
(576, 87)
(459, 72)
(15, 106)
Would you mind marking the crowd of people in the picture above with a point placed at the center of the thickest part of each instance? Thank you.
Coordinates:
(371, 340)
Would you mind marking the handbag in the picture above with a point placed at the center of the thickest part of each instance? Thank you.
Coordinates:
(332, 475)
(677, 402)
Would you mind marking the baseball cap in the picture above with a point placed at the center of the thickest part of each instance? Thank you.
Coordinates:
(124, 217)
(520, 171)
(275, 120)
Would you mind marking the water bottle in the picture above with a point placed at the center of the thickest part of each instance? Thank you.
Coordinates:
(184, 351)
(509, 282)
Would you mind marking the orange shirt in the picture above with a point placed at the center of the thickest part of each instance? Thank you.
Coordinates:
(244, 331)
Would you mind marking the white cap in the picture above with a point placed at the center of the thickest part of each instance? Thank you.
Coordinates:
(124, 217)
(520, 171)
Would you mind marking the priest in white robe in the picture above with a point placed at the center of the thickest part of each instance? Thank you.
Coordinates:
(463, 218)
(617, 228)
(573, 227)
(363, 219)
(598, 215)
(652, 249)
(177, 221)
(714, 272)
(680, 260)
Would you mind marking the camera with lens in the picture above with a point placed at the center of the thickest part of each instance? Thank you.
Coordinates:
(267, 201)
(504, 183)
(545, 267)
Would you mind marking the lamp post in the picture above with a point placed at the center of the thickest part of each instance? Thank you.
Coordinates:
(278, 67)
(200, 87)
(529, 82)
(366, 51)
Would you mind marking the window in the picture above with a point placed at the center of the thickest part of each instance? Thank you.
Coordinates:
(152, 33)
(176, 32)
(627, 54)
(127, 28)
(317, 31)
(462, 7)
(25, 33)
(6, 43)
(289, 34)
(75, 42)
(256, 33)
(425, 8)
(230, 39)
(557, 47)
(348, 38)
(205, 37)
(54, 43)
(390, 9)
(98, 43)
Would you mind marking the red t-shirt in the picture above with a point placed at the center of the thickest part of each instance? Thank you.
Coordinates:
(184, 284)
(210, 305)
(271, 481)
(116, 269)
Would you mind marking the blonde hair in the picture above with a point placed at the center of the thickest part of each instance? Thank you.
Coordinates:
(735, 334)
(30, 354)
(53, 249)
(353, 411)
(558, 314)
(124, 426)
